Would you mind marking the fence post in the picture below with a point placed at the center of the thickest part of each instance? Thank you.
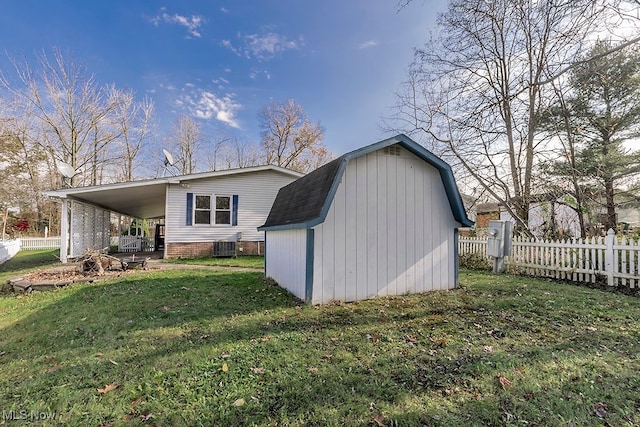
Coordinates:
(609, 265)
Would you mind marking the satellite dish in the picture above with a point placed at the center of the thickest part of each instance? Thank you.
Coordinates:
(66, 169)
(168, 158)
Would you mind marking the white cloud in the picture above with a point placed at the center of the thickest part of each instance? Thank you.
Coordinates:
(368, 44)
(262, 46)
(254, 74)
(192, 23)
(207, 105)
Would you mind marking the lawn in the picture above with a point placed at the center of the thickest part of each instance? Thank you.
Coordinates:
(194, 347)
(243, 261)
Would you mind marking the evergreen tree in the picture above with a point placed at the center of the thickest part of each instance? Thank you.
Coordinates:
(598, 115)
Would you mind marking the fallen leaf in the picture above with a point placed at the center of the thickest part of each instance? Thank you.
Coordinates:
(224, 356)
(145, 418)
(225, 367)
(54, 368)
(600, 409)
(313, 369)
(257, 370)
(107, 388)
(135, 402)
(239, 402)
(379, 420)
(99, 354)
(504, 382)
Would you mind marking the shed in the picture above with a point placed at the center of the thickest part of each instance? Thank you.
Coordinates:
(380, 220)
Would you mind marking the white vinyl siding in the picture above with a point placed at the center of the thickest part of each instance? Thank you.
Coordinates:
(389, 230)
(286, 259)
(256, 192)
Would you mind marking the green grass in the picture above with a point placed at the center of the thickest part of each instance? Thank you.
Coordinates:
(242, 261)
(225, 348)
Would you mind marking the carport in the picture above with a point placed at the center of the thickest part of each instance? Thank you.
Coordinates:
(86, 210)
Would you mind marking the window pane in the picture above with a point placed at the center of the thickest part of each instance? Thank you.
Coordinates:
(203, 217)
(223, 217)
(203, 202)
(223, 202)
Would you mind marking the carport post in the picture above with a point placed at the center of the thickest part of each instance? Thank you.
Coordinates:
(64, 231)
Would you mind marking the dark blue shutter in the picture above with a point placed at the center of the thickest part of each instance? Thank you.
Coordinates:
(189, 208)
(234, 210)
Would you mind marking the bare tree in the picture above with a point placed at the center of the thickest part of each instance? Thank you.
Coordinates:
(23, 162)
(186, 136)
(134, 121)
(477, 90)
(289, 139)
(72, 108)
(232, 153)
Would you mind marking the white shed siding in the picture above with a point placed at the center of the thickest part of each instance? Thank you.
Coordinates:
(285, 260)
(256, 192)
(389, 231)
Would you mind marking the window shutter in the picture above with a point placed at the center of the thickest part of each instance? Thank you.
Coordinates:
(234, 210)
(189, 208)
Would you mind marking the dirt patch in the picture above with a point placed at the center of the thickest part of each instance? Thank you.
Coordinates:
(61, 274)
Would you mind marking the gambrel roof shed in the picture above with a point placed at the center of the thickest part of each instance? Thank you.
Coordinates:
(391, 203)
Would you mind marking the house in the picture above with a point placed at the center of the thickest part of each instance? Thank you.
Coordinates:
(380, 220)
(198, 210)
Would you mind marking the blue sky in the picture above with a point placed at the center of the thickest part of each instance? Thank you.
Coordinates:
(222, 61)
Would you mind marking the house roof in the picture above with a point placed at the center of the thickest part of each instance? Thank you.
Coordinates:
(147, 198)
(305, 202)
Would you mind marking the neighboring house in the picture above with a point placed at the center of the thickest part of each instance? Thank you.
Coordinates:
(551, 215)
(381, 220)
(198, 209)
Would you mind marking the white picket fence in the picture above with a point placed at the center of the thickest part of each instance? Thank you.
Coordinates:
(36, 243)
(135, 244)
(610, 260)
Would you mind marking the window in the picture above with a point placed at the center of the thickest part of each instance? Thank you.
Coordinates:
(205, 209)
(223, 210)
(202, 211)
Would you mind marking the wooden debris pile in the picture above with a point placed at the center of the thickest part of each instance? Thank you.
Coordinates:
(97, 262)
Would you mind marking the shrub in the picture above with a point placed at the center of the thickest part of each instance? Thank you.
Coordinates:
(475, 261)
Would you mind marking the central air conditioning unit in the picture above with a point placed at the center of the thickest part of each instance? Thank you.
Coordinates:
(224, 249)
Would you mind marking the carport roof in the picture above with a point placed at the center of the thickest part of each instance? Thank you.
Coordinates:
(146, 198)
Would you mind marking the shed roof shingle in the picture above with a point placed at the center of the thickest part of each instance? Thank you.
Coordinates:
(303, 199)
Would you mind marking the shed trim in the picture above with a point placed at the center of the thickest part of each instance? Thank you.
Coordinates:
(308, 285)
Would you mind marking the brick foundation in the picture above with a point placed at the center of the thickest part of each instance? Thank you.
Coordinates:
(205, 249)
